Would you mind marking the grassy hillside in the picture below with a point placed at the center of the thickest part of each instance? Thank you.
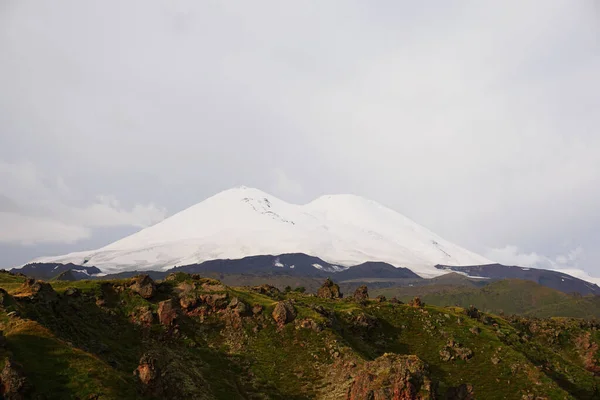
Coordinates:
(511, 296)
(195, 338)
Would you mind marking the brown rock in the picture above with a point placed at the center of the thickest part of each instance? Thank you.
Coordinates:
(143, 285)
(416, 302)
(147, 370)
(142, 316)
(167, 312)
(392, 377)
(284, 313)
(329, 290)
(361, 293)
(14, 385)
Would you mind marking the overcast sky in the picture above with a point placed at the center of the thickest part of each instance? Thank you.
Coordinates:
(479, 120)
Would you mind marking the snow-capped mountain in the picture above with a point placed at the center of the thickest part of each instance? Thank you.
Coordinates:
(345, 230)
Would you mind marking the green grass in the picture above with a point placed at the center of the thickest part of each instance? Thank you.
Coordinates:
(73, 348)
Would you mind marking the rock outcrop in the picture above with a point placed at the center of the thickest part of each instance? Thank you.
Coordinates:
(37, 291)
(361, 293)
(392, 377)
(143, 285)
(329, 290)
(416, 302)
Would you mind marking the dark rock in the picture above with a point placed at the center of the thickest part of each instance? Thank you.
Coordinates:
(380, 298)
(284, 313)
(473, 312)
(14, 385)
(394, 300)
(329, 290)
(392, 377)
(167, 312)
(143, 285)
(462, 392)
(361, 293)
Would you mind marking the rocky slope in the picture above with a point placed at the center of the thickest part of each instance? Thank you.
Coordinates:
(195, 338)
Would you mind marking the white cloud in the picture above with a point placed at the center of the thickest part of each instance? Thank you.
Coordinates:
(510, 255)
(285, 186)
(37, 209)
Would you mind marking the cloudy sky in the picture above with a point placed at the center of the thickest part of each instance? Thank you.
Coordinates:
(479, 120)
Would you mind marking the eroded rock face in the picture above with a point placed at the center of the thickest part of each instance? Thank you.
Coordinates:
(284, 313)
(167, 312)
(361, 293)
(13, 382)
(143, 285)
(329, 290)
(392, 377)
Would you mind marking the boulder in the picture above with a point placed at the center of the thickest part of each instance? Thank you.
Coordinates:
(167, 312)
(392, 377)
(361, 293)
(284, 313)
(416, 302)
(14, 385)
(147, 370)
(329, 290)
(143, 285)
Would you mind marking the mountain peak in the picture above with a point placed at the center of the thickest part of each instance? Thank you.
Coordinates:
(341, 229)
